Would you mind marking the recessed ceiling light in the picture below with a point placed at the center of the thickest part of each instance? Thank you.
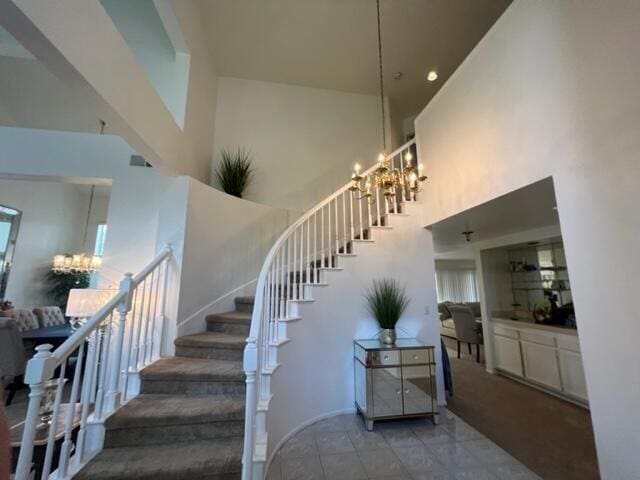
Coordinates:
(397, 75)
(432, 76)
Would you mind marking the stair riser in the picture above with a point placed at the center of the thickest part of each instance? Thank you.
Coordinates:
(181, 387)
(163, 434)
(192, 473)
(244, 307)
(210, 353)
(234, 329)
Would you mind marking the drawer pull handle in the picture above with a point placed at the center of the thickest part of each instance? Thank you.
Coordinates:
(398, 392)
(406, 390)
(386, 357)
(415, 357)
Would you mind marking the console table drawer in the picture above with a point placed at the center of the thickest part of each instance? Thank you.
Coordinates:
(384, 357)
(415, 357)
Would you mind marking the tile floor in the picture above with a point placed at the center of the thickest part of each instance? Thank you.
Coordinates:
(340, 448)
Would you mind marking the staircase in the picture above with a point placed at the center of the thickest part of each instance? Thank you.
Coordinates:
(188, 421)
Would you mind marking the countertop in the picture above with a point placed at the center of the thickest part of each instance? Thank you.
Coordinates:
(535, 326)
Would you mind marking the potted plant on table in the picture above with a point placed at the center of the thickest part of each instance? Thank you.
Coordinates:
(386, 301)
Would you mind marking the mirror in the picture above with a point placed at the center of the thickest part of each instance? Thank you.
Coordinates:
(9, 224)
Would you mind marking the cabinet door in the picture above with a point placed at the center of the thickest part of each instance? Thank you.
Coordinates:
(507, 355)
(573, 381)
(416, 389)
(541, 364)
(387, 391)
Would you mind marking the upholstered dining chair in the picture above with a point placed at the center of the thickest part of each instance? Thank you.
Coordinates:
(49, 316)
(25, 319)
(467, 330)
(13, 360)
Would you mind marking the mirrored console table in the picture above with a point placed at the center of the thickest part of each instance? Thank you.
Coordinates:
(395, 381)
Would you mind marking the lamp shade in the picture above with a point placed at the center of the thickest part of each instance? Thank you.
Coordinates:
(84, 302)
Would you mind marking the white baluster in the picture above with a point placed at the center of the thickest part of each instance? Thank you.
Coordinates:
(145, 320)
(88, 385)
(51, 437)
(136, 358)
(369, 216)
(112, 398)
(344, 221)
(104, 366)
(360, 219)
(378, 206)
(308, 261)
(163, 310)
(351, 216)
(128, 345)
(281, 284)
(301, 285)
(154, 316)
(315, 248)
(322, 234)
(288, 279)
(67, 444)
(295, 263)
(337, 233)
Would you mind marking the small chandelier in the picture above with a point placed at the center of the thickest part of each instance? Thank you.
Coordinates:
(79, 262)
(385, 177)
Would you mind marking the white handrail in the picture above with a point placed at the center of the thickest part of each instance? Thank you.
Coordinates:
(292, 264)
(116, 351)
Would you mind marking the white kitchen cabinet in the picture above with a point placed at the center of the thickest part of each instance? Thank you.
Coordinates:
(507, 353)
(541, 365)
(543, 356)
(572, 374)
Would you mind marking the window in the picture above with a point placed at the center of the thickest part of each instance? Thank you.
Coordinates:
(456, 285)
(101, 236)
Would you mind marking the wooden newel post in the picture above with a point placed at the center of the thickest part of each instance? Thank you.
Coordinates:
(36, 375)
(112, 397)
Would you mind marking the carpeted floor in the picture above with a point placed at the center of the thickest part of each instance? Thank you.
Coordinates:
(552, 437)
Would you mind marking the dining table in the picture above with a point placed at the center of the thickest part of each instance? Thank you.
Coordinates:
(53, 334)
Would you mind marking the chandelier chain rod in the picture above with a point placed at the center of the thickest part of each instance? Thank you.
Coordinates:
(384, 117)
(86, 225)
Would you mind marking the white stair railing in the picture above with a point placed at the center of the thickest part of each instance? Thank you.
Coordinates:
(295, 262)
(103, 357)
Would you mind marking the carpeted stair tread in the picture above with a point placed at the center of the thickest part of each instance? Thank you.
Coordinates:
(208, 459)
(154, 409)
(242, 318)
(193, 370)
(212, 340)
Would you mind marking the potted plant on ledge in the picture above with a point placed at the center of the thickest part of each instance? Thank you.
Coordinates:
(386, 301)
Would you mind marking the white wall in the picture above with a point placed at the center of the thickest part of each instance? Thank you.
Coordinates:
(53, 218)
(315, 377)
(226, 242)
(305, 140)
(31, 97)
(79, 43)
(140, 25)
(552, 90)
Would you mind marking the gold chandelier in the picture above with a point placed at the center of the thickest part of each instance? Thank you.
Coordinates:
(385, 177)
(388, 179)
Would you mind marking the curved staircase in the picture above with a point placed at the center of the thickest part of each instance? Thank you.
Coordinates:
(188, 421)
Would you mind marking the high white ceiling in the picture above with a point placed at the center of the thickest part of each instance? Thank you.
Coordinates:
(525, 209)
(333, 43)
